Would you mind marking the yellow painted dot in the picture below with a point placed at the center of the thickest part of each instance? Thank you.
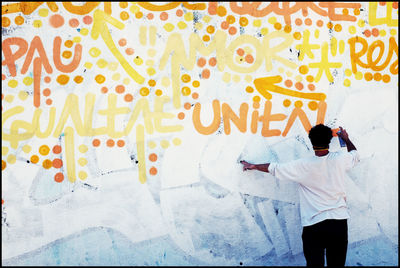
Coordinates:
(134, 9)
(112, 66)
(9, 98)
(82, 175)
(77, 39)
(186, 91)
(13, 83)
(313, 105)
(316, 33)
(126, 81)
(138, 61)
(169, 27)
(124, 15)
(257, 23)
(298, 104)
(165, 81)
(4, 150)
(78, 79)
(226, 77)
(158, 92)
(206, 19)
(303, 69)
(164, 144)
(393, 32)
(281, 70)
(176, 141)
(348, 72)
(286, 103)
(236, 78)
(248, 78)
(196, 83)
(198, 25)
(150, 62)
(28, 80)
(297, 35)
(151, 71)
(100, 78)
(382, 32)
(47, 164)
(359, 75)
(289, 73)
(43, 12)
(23, 95)
(84, 31)
(249, 89)
(101, 63)
(82, 161)
(298, 78)
(94, 52)
(26, 148)
(361, 23)
(185, 78)
(272, 20)
(37, 23)
(352, 29)
(88, 65)
(310, 78)
(11, 159)
(62, 79)
(67, 54)
(256, 98)
(346, 82)
(144, 91)
(151, 52)
(151, 144)
(83, 148)
(116, 76)
(264, 31)
(188, 16)
(44, 150)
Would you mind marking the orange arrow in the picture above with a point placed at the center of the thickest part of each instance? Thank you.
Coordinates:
(265, 84)
(100, 19)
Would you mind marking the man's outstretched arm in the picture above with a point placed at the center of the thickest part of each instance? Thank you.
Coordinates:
(260, 167)
(343, 134)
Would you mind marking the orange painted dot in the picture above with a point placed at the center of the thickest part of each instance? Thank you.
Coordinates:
(303, 69)
(163, 16)
(243, 21)
(249, 89)
(34, 159)
(286, 103)
(128, 97)
(212, 61)
(320, 23)
(288, 83)
(256, 98)
(196, 83)
(151, 83)
(120, 89)
(104, 90)
(123, 4)
(100, 79)
(187, 106)
(367, 33)
(230, 19)
(377, 77)
(201, 62)
(181, 115)
(375, 32)
(186, 91)
(3, 77)
(49, 101)
(122, 42)
(368, 76)
(278, 26)
(57, 149)
(329, 25)
(221, 11)
(69, 43)
(78, 79)
(110, 143)
(67, 54)
(287, 29)
(19, 20)
(298, 104)
(308, 21)
(44, 150)
(338, 27)
(210, 29)
(57, 163)
(256, 105)
(224, 25)
(311, 87)
(63, 79)
(153, 171)
(47, 164)
(153, 157)
(195, 95)
(46, 92)
(356, 11)
(129, 51)
(3, 165)
(249, 58)
(313, 105)
(299, 86)
(5, 22)
(382, 3)
(59, 177)
(386, 78)
(240, 51)
(205, 74)
(138, 15)
(120, 143)
(395, 5)
(96, 142)
(345, 11)
(298, 22)
(150, 16)
(206, 38)
(179, 13)
(56, 21)
(158, 92)
(297, 35)
(47, 79)
(73, 23)
(124, 15)
(87, 20)
(310, 78)
(232, 30)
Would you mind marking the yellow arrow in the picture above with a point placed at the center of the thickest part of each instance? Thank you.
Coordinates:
(265, 84)
(100, 19)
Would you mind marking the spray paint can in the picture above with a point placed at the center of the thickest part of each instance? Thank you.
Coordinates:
(341, 141)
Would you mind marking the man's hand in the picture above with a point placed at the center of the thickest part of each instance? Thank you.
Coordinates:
(247, 166)
(343, 134)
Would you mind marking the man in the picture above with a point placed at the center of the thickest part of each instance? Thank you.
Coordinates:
(323, 208)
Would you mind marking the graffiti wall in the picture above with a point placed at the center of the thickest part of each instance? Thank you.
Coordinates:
(123, 124)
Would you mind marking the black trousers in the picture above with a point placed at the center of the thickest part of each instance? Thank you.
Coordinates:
(329, 235)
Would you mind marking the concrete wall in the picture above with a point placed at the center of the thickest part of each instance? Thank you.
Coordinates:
(123, 125)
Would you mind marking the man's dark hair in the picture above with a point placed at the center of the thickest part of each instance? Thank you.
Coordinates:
(320, 136)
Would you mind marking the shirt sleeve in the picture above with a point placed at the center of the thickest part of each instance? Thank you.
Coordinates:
(350, 159)
(287, 171)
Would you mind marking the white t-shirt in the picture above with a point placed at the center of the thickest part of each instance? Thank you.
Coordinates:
(321, 184)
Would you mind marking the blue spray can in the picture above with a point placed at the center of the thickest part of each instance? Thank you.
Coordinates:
(341, 141)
